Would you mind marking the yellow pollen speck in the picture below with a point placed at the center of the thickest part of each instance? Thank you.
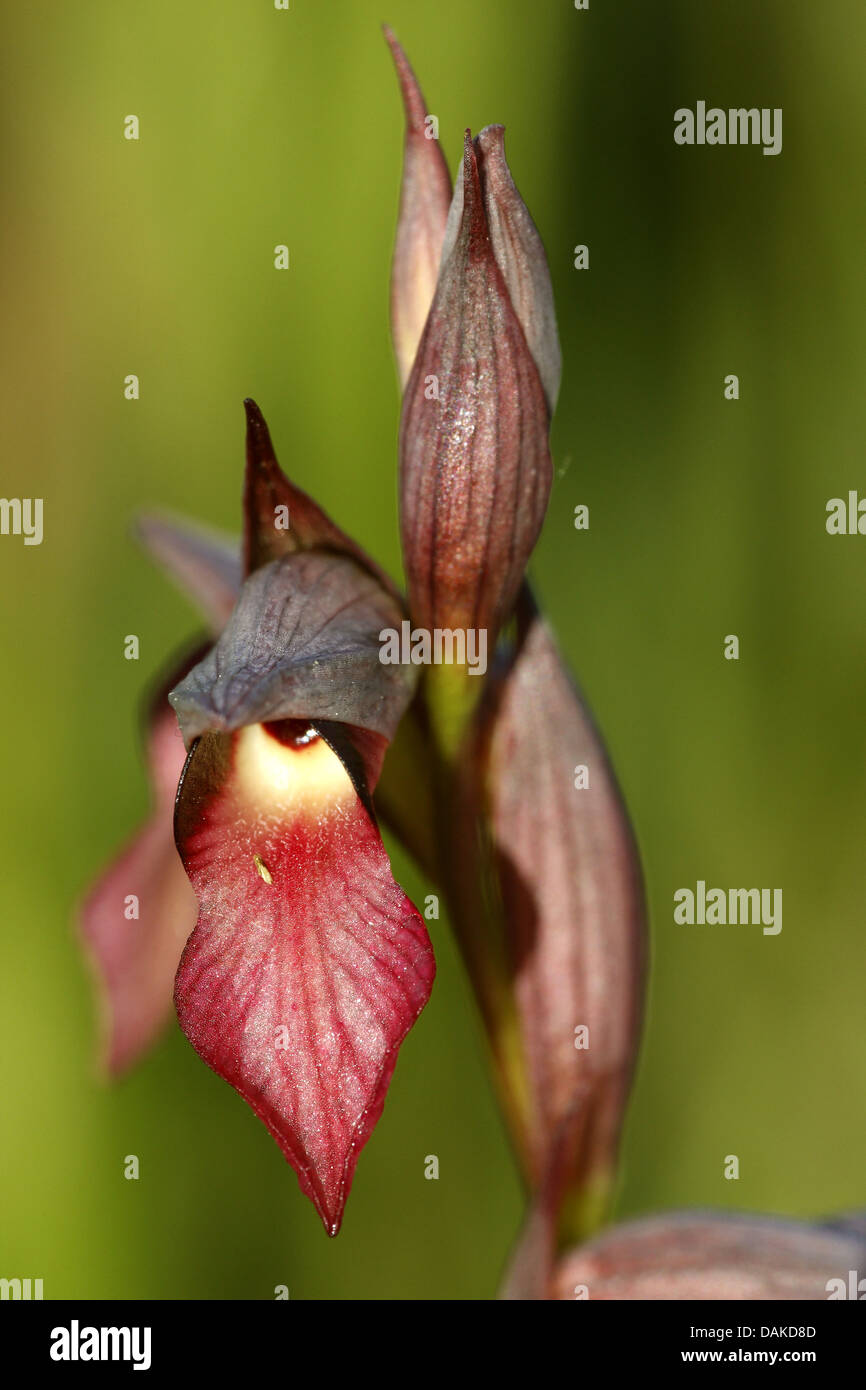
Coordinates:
(262, 868)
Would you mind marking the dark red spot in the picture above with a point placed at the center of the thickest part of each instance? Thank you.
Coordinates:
(292, 733)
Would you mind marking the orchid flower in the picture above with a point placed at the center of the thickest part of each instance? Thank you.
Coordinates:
(264, 899)
(307, 964)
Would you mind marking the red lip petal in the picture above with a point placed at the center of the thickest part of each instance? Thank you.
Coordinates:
(308, 965)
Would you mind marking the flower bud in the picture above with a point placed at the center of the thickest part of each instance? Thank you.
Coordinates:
(475, 468)
(554, 934)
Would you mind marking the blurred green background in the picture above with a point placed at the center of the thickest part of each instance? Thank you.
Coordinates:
(707, 517)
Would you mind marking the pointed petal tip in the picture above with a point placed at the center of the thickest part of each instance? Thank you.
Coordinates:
(266, 488)
(519, 251)
(470, 163)
(474, 224)
(413, 99)
(425, 197)
(331, 1212)
(259, 446)
(490, 143)
(280, 518)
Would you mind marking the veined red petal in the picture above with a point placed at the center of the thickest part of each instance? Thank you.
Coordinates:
(136, 919)
(309, 964)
